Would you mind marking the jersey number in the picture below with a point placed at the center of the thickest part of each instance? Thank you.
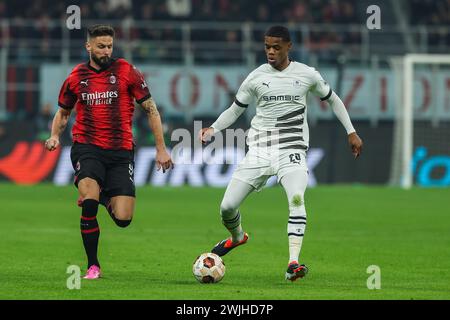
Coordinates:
(295, 158)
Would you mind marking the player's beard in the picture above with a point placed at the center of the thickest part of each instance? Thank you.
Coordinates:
(102, 62)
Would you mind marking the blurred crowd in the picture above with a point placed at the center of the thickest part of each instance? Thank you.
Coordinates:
(311, 11)
(421, 12)
(34, 37)
(430, 12)
(434, 14)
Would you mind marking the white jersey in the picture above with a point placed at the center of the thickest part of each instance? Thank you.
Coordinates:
(280, 98)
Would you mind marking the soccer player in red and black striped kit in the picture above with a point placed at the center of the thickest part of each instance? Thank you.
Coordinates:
(103, 91)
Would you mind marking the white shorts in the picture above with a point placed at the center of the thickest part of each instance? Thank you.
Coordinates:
(260, 164)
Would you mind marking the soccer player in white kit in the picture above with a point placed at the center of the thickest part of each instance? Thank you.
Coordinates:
(278, 140)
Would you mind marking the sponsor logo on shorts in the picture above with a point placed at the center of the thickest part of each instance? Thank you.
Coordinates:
(130, 169)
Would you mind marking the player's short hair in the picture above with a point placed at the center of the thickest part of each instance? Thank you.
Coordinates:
(279, 32)
(99, 30)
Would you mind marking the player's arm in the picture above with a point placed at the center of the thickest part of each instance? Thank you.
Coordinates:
(59, 124)
(140, 91)
(341, 113)
(66, 101)
(163, 159)
(226, 119)
(321, 89)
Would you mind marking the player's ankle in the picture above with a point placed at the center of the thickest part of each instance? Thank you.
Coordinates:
(238, 237)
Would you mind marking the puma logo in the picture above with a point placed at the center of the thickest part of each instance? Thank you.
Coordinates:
(85, 82)
(266, 84)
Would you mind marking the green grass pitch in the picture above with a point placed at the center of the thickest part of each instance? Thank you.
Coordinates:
(405, 233)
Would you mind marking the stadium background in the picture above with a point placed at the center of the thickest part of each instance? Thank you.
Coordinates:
(194, 54)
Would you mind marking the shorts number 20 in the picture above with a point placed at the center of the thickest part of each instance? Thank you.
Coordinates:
(295, 157)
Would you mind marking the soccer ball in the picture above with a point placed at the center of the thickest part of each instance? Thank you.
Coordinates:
(208, 268)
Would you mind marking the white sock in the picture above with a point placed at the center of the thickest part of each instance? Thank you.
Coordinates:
(295, 245)
(294, 184)
(296, 229)
(237, 234)
(235, 194)
(234, 227)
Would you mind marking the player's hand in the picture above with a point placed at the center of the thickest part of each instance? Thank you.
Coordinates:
(52, 143)
(355, 143)
(205, 134)
(163, 161)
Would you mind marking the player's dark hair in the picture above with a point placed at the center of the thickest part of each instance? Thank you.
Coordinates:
(279, 32)
(99, 30)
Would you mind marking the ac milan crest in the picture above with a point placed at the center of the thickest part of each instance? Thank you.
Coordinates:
(112, 79)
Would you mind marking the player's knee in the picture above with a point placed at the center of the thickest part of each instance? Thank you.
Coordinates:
(122, 219)
(296, 200)
(89, 188)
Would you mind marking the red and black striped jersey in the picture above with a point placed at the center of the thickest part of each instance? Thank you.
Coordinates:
(104, 103)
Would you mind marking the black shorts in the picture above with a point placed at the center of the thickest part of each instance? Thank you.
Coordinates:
(112, 169)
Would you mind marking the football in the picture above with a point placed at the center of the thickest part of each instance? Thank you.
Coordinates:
(208, 268)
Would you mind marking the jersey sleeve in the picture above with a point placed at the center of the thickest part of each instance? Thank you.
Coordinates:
(244, 96)
(67, 98)
(138, 86)
(320, 87)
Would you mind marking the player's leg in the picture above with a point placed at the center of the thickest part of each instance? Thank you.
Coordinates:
(235, 194)
(119, 192)
(89, 175)
(251, 175)
(121, 210)
(89, 190)
(294, 184)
